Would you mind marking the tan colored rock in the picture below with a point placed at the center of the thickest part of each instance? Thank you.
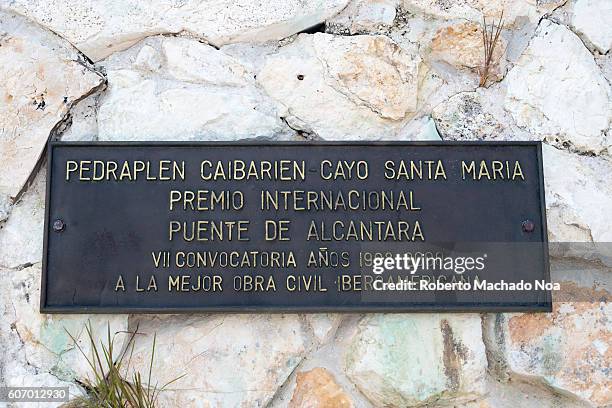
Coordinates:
(461, 46)
(569, 348)
(41, 76)
(317, 388)
(523, 393)
(369, 80)
(373, 72)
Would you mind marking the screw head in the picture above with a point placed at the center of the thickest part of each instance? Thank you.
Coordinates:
(528, 226)
(58, 225)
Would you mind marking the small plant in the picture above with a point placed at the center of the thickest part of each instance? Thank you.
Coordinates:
(109, 389)
(490, 39)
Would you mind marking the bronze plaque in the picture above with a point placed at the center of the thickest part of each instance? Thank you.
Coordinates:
(299, 227)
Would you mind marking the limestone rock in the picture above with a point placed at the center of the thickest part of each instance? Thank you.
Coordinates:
(569, 348)
(423, 128)
(592, 20)
(463, 117)
(100, 28)
(228, 360)
(578, 197)
(83, 121)
(12, 360)
(5, 207)
(604, 62)
(21, 237)
(409, 360)
(370, 82)
(463, 9)
(364, 16)
(474, 10)
(41, 76)
(372, 72)
(180, 89)
(317, 388)
(460, 45)
(43, 340)
(251, 55)
(557, 91)
(323, 325)
(24, 376)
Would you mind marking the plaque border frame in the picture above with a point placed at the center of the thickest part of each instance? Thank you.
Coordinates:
(47, 154)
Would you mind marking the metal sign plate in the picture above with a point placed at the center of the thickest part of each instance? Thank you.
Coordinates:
(304, 227)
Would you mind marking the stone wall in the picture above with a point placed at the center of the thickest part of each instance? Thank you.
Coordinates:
(308, 70)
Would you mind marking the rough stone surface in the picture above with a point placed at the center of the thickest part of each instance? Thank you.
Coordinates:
(41, 343)
(423, 128)
(478, 115)
(364, 16)
(5, 207)
(383, 70)
(474, 10)
(604, 62)
(369, 80)
(83, 121)
(578, 197)
(317, 388)
(526, 393)
(592, 20)
(460, 45)
(41, 76)
(323, 326)
(557, 91)
(99, 28)
(570, 348)
(463, 117)
(227, 361)
(409, 360)
(21, 237)
(180, 89)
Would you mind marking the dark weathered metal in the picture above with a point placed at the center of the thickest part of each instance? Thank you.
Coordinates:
(115, 228)
(58, 225)
(528, 226)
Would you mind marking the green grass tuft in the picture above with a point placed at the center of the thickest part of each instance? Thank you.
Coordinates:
(108, 388)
